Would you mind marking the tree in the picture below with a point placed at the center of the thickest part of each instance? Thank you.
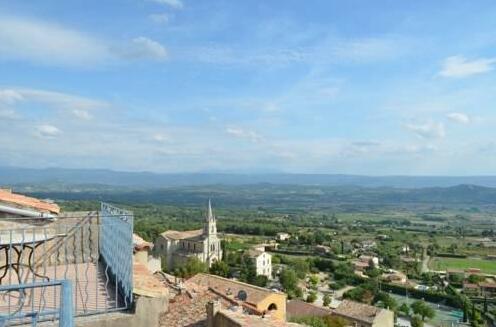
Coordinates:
(333, 321)
(326, 300)
(248, 272)
(301, 267)
(474, 279)
(388, 301)
(405, 309)
(288, 279)
(314, 280)
(220, 268)
(423, 309)
(289, 282)
(191, 267)
(260, 281)
(311, 297)
(373, 272)
(417, 322)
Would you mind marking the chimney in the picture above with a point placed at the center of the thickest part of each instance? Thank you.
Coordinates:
(212, 308)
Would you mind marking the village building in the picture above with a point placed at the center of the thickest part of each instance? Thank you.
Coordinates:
(209, 300)
(175, 247)
(297, 309)
(282, 236)
(363, 315)
(262, 261)
(354, 313)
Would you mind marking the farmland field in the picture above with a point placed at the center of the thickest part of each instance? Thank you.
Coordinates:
(487, 266)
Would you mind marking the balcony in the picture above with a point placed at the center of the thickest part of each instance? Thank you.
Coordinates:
(78, 265)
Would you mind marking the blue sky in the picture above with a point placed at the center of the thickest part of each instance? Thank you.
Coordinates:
(361, 87)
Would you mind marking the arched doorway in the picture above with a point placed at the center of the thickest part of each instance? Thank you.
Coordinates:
(272, 307)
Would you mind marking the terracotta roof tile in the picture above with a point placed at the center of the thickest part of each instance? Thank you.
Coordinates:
(299, 308)
(140, 244)
(222, 285)
(25, 201)
(357, 311)
(146, 284)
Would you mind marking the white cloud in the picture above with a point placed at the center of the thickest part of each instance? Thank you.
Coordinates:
(46, 43)
(244, 134)
(82, 114)
(459, 117)
(176, 4)
(47, 131)
(160, 138)
(159, 18)
(10, 96)
(144, 48)
(428, 130)
(367, 49)
(41, 42)
(8, 114)
(459, 66)
(57, 99)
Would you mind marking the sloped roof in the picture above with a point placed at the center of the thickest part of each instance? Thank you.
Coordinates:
(357, 311)
(146, 284)
(25, 201)
(140, 244)
(254, 253)
(182, 235)
(246, 320)
(255, 294)
(189, 308)
(299, 308)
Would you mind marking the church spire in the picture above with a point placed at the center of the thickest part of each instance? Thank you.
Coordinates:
(210, 215)
(210, 226)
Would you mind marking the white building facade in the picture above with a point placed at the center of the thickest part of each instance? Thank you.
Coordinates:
(262, 261)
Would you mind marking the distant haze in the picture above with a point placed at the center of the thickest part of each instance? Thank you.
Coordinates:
(23, 176)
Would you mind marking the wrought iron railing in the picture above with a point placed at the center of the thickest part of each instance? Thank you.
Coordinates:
(116, 248)
(93, 251)
(25, 312)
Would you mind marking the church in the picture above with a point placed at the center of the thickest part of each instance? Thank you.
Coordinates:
(175, 247)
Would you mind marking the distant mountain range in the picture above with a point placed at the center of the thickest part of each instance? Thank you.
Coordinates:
(145, 180)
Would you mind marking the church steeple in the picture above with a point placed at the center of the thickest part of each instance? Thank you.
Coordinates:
(210, 226)
(210, 215)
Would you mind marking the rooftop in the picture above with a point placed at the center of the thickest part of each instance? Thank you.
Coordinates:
(254, 321)
(357, 311)
(254, 253)
(146, 284)
(226, 286)
(187, 309)
(299, 308)
(140, 244)
(25, 201)
(181, 235)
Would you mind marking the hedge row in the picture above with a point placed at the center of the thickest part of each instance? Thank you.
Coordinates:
(449, 299)
(450, 255)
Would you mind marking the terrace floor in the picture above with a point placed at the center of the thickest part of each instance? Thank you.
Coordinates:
(93, 292)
